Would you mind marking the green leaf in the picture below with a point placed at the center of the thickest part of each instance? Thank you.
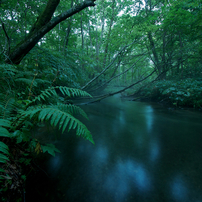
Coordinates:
(4, 132)
(3, 145)
(59, 115)
(3, 150)
(50, 148)
(65, 124)
(5, 123)
(3, 157)
(71, 124)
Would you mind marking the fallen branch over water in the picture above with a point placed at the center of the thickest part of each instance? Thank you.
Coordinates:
(120, 91)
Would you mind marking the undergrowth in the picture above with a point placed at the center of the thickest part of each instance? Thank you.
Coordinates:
(183, 93)
(26, 101)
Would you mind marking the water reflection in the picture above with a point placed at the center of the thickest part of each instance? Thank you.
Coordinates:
(149, 117)
(101, 154)
(55, 164)
(122, 119)
(125, 177)
(142, 153)
(179, 188)
(139, 175)
(154, 150)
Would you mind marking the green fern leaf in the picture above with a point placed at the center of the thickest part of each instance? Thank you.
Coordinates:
(59, 115)
(61, 89)
(4, 132)
(3, 145)
(75, 125)
(47, 94)
(50, 113)
(26, 81)
(32, 112)
(70, 92)
(54, 117)
(67, 92)
(62, 121)
(73, 92)
(43, 114)
(42, 81)
(3, 150)
(5, 123)
(72, 109)
(71, 124)
(3, 158)
(65, 123)
(8, 106)
(43, 96)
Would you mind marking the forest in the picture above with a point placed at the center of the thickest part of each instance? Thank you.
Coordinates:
(56, 52)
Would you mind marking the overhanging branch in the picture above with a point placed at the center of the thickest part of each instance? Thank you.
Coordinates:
(104, 70)
(120, 91)
(18, 53)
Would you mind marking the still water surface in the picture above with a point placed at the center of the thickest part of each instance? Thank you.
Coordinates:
(143, 152)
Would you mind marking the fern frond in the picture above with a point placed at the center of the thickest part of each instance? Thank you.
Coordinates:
(4, 132)
(66, 91)
(3, 147)
(72, 109)
(5, 123)
(73, 92)
(7, 106)
(56, 117)
(7, 69)
(25, 115)
(21, 74)
(26, 81)
(45, 94)
(3, 158)
(42, 81)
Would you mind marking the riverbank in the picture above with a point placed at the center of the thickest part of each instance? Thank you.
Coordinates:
(185, 93)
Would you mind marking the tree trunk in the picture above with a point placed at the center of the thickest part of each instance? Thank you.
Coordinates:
(66, 41)
(90, 38)
(42, 26)
(82, 34)
(108, 35)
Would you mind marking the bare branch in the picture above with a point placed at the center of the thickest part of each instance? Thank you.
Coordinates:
(120, 91)
(118, 75)
(104, 70)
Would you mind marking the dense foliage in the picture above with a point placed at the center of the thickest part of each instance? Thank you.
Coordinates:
(183, 93)
(22, 109)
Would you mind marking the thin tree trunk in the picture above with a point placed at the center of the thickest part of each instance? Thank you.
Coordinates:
(91, 44)
(82, 35)
(108, 35)
(66, 41)
(181, 52)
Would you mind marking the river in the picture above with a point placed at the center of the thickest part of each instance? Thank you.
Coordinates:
(143, 152)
